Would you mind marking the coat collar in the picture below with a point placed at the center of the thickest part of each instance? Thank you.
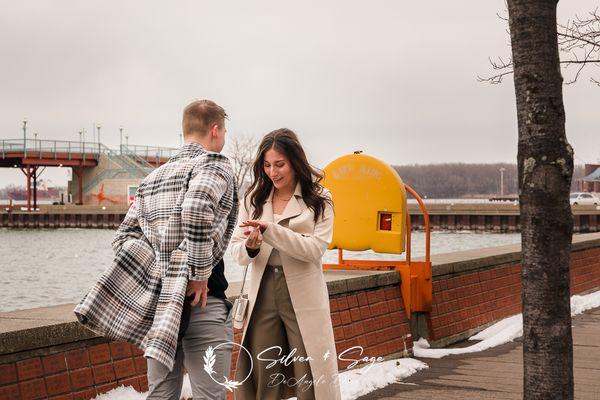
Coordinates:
(189, 150)
(292, 209)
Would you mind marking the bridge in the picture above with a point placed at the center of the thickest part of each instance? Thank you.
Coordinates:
(33, 156)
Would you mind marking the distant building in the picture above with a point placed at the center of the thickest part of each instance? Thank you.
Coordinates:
(591, 180)
(112, 182)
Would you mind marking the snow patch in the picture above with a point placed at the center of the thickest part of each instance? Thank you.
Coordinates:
(580, 304)
(129, 393)
(358, 382)
(354, 383)
(122, 393)
(503, 331)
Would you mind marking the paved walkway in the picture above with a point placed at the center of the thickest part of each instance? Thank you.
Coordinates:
(498, 373)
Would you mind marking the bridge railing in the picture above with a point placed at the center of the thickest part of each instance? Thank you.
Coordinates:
(149, 152)
(41, 148)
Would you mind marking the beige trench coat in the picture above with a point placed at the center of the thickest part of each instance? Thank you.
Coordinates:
(301, 247)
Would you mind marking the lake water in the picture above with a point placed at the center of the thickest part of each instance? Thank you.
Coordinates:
(56, 266)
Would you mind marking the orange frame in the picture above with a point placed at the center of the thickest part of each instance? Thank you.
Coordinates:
(415, 276)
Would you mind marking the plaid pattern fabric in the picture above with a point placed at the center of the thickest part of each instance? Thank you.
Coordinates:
(177, 229)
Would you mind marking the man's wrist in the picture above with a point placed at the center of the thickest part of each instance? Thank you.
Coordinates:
(199, 275)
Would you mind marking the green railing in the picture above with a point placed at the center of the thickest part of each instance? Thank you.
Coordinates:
(140, 160)
(125, 162)
(69, 147)
(53, 147)
(149, 152)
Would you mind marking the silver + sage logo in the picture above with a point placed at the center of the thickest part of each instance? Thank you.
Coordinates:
(209, 363)
(284, 360)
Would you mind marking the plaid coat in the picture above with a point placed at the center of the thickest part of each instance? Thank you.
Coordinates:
(177, 229)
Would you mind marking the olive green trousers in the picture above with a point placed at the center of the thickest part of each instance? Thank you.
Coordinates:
(274, 340)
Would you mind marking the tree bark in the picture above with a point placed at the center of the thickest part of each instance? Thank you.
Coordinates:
(545, 168)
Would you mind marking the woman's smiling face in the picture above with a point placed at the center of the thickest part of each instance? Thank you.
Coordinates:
(279, 169)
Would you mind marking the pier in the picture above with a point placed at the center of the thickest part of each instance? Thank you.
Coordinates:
(63, 216)
(480, 217)
(492, 217)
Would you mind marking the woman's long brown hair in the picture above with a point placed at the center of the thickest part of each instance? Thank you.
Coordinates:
(286, 142)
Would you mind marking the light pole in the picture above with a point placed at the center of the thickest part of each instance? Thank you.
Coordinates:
(127, 140)
(83, 144)
(25, 136)
(121, 140)
(180, 139)
(98, 140)
(35, 142)
(502, 181)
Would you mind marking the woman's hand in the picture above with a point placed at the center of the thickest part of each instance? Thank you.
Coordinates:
(254, 239)
(255, 224)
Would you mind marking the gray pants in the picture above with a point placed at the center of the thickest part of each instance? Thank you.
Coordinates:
(211, 326)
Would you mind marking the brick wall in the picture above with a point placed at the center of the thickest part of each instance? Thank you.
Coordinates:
(465, 302)
(77, 374)
(373, 318)
(585, 270)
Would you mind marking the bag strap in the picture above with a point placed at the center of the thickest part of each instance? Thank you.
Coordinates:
(244, 281)
(245, 272)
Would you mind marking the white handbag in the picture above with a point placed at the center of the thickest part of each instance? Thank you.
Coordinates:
(240, 306)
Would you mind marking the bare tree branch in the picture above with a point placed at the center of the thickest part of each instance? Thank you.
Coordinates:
(241, 151)
(579, 45)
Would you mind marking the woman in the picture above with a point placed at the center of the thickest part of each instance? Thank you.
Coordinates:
(286, 224)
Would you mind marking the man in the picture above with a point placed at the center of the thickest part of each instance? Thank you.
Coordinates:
(169, 246)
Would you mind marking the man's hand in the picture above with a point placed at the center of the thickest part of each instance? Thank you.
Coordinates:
(200, 290)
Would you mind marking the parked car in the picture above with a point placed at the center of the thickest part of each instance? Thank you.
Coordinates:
(584, 199)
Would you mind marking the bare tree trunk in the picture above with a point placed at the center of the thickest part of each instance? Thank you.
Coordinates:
(545, 164)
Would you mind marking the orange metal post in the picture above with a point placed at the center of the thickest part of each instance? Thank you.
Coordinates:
(79, 172)
(28, 173)
(408, 238)
(35, 169)
(425, 219)
(421, 277)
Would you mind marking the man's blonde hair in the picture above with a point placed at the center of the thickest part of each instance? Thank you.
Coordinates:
(200, 116)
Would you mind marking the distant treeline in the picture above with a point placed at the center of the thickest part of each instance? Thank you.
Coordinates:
(457, 180)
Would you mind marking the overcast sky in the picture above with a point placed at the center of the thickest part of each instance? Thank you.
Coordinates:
(396, 79)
